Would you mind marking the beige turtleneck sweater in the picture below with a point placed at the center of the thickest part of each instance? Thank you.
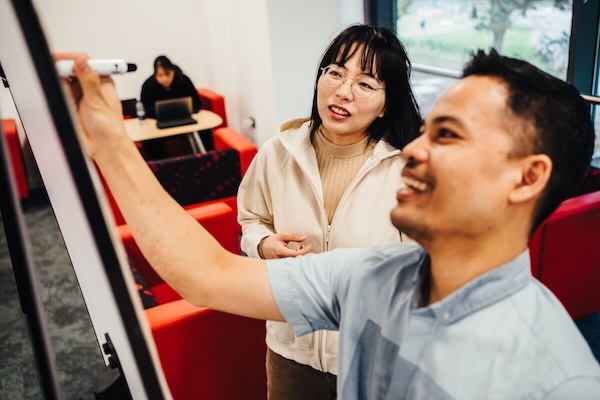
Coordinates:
(338, 165)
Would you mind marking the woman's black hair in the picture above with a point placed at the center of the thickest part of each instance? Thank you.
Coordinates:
(166, 64)
(383, 56)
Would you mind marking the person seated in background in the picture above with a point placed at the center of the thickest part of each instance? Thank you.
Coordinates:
(167, 82)
(363, 114)
(456, 314)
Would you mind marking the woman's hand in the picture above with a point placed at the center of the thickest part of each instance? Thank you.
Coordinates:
(275, 246)
(98, 106)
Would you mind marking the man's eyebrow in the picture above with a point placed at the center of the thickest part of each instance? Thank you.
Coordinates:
(448, 118)
(443, 118)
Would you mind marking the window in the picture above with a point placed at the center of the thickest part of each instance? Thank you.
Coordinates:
(558, 36)
(443, 34)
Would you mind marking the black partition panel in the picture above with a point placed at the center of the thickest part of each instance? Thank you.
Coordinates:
(47, 115)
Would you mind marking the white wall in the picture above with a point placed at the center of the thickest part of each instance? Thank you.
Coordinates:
(299, 33)
(260, 54)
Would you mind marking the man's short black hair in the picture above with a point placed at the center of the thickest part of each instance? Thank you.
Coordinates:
(557, 122)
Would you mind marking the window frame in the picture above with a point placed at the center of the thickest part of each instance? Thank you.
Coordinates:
(582, 69)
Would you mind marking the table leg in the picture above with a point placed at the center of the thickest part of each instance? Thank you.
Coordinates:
(196, 142)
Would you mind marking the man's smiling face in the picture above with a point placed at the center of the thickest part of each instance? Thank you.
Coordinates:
(460, 170)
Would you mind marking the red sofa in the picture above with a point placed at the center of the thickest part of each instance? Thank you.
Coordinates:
(225, 139)
(205, 354)
(218, 218)
(224, 136)
(208, 354)
(565, 254)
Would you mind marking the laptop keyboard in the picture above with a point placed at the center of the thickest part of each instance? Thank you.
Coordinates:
(175, 122)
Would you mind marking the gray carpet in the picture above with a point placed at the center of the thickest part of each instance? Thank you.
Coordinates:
(77, 354)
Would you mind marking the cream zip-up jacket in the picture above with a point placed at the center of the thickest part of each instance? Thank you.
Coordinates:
(282, 192)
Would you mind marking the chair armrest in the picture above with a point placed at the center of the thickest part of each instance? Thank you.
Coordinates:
(214, 102)
(228, 138)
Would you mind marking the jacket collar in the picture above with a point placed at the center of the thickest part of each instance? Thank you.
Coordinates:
(294, 135)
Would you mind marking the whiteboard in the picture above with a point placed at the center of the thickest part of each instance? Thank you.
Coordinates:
(78, 200)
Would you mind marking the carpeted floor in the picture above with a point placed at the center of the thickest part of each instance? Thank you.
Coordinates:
(77, 354)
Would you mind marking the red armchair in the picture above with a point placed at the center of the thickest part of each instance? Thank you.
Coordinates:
(214, 102)
(227, 138)
(204, 353)
(231, 149)
(218, 218)
(565, 254)
(224, 139)
(208, 354)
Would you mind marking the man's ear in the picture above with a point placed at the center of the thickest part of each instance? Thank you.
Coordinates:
(534, 176)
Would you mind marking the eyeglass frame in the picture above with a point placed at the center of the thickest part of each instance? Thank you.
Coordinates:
(345, 78)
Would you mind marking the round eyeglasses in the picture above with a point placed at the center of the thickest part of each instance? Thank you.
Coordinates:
(363, 87)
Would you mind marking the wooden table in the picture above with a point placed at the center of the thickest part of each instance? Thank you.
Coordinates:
(140, 130)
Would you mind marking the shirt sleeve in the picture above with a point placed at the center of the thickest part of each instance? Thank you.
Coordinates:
(310, 290)
(583, 388)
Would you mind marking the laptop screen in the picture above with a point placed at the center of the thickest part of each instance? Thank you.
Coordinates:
(173, 108)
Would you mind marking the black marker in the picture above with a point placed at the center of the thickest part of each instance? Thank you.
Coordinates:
(101, 66)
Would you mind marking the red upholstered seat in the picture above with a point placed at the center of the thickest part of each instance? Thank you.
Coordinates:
(218, 218)
(225, 137)
(226, 140)
(197, 178)
(9, 127)
(565, 254)
(205, 354)
(208, 354)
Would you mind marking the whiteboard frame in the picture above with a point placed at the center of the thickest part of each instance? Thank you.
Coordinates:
(78, 200)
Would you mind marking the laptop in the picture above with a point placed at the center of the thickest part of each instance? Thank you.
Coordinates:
(174, 112)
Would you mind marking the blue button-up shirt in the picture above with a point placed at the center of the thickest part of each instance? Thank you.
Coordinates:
(501, 336)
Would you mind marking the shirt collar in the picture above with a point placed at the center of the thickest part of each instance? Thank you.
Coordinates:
(486, 289)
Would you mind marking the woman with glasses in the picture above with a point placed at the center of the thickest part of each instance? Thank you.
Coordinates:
(327, 182)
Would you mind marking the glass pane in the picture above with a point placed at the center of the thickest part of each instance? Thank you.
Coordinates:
(428, 87)
(444, 33)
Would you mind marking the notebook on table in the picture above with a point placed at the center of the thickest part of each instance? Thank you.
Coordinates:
(174, 112)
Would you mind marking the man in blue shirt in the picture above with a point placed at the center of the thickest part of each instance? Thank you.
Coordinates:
(457, 315)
